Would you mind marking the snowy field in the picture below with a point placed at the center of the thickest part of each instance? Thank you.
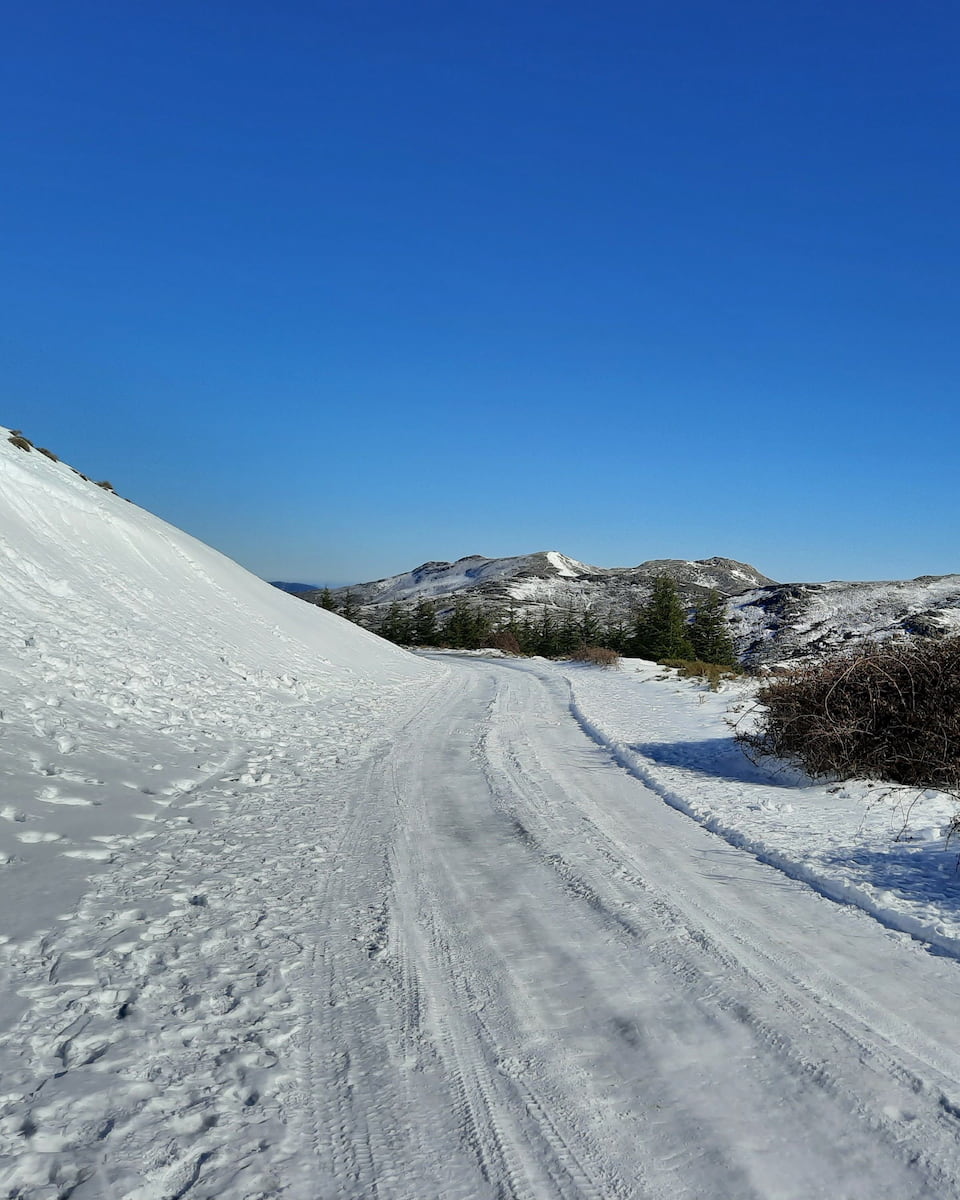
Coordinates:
(287, 911)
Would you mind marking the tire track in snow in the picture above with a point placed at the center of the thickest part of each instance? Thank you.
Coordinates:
(358, 1112)
(504, 1116)
(842, 1035)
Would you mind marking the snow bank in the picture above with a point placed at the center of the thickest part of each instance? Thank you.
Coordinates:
(881, 848)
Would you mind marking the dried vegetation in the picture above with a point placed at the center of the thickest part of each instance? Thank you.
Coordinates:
(887, 712)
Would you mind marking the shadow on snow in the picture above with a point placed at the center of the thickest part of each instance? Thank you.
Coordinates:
(721, 758)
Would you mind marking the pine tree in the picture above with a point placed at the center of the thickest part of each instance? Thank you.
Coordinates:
(459, 631)
(548, 643)
(482, 627)
(528, 635)
(327, 601)
(710, 634)
(661, 627)
(350, 609)
(616, 634)
(395, 625)
(568, 633)
(426, 631)
(591, 631)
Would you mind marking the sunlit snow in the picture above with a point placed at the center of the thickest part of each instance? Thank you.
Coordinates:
(287, 911)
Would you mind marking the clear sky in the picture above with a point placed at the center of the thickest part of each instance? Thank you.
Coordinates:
(342, 287)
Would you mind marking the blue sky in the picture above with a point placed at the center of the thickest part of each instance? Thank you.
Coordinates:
(341, 287)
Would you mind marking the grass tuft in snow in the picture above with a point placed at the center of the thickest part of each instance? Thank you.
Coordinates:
(712, 673)
(598, 656)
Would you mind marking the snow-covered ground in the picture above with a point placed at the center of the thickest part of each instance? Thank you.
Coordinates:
(174, 734)
(286, 911)
(885, 849)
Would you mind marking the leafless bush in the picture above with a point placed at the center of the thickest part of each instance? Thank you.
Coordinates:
(506, 641)
(889, 712)
(49, 453)
(105, 484)
(598, 656)
(20, 442)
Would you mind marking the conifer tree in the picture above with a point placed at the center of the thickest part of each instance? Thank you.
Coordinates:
(568, 633)
(350, 609)
(548, 643)
(426, 631)
(661, 628)
(482, 627)
(591, 631)
(395, 625)
(616, 634)
(327, 601)
(460, 630)
(528, 635)
(709, 633)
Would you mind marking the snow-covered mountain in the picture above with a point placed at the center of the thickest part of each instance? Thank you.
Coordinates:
(547, 579)
(793, 620)
(771, 622)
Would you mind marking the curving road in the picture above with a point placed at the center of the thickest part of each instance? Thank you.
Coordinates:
(535, 980)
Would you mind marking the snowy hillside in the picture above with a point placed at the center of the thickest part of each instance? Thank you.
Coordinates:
(126, 643)
(548, 579)
(148, 686)
(787, 621)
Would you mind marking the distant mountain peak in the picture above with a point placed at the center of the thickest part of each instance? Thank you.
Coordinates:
(549, 579)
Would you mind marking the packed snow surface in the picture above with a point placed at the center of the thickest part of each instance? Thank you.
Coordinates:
(289, 912)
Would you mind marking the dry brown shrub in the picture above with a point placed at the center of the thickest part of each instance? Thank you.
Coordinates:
(506, 641)
(20, 442)
(105, 484)
(889, 712)
(598, 656)
(713, 673)
(49, 453)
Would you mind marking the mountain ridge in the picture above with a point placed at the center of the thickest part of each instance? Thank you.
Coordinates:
(543, 580)
(770, 622)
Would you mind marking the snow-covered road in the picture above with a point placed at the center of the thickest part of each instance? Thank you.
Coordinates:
(288, 912)
(563, 988)
(474, 958)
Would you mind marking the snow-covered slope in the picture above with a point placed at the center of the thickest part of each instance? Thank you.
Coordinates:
(548, 579)
(133, 661)
(174, 736)
(791, 620)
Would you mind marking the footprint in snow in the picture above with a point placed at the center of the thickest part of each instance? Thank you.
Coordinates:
(50, 795)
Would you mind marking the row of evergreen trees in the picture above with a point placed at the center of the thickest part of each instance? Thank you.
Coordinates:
(658, 630)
